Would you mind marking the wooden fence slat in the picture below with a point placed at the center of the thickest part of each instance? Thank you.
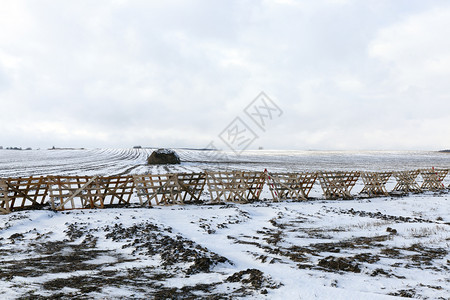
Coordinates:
(119, 188)
(24, 192)
(164, 188)
(406, 182)
(226, 187)
(4, 199)
(75, 192)
(234, 186)
(337, 184)
(433, 179)
(294, 186)
(375, 183)
(255, 183)
(192, 185)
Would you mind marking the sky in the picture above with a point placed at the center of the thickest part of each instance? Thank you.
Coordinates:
(335, 74)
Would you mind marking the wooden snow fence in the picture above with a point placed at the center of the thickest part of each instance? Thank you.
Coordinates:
(4, 199)
(433, 179)
(375, 183)
(80, 192)
(255, 183)
(22, 193)
(74, 192)
(193, 185)
(235, 186)
(116, 190)
(167, 189)
(406, 182)
(294, 186)
(338, 184)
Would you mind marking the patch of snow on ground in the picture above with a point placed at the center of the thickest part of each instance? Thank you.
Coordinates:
(370, 248)
(377, 248)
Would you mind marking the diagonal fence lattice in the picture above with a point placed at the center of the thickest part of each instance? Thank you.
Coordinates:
(193, 185)
(167, 189)
(4, 199)
(116, 190)
(255, 183)
(87, 192)
(338, 184)
(294, 186)
(160, 189)
(22, 193)
(433, 179)
(235, 186)
(74, 192)
(406, 182)
(375, 183)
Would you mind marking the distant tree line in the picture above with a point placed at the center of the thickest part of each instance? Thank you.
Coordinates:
(15, 148)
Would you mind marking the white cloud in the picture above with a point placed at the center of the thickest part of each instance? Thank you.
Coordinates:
(175, 73)
(417, 49)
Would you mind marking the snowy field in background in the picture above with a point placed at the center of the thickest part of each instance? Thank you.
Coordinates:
(355, 249)
(133, 161)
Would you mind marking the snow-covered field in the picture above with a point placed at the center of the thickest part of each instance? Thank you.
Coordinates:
(124, 161)
(354, 249)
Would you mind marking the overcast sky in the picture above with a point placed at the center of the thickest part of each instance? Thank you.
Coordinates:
(347, 75)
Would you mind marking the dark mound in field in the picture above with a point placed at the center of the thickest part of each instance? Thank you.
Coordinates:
(163, 157)
(339, 264)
